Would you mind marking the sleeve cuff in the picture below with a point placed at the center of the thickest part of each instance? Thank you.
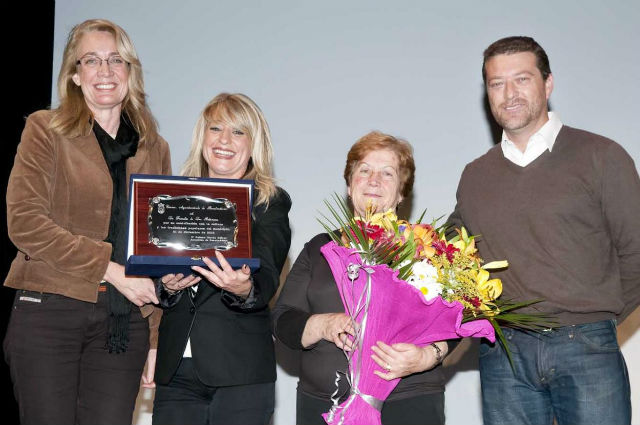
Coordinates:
(166, 299)
(237, 302)
(290, 326)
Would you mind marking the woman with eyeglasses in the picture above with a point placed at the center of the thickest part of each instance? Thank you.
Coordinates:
(79, 332)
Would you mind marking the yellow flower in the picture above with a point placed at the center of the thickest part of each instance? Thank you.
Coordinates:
(466, 244)
(496, 265)
(489, 290)
(384, 220)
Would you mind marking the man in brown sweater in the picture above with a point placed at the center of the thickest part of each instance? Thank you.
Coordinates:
(563, 206)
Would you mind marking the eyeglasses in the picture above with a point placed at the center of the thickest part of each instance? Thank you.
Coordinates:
(94, 62)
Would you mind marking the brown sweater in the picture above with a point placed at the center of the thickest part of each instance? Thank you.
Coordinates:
(568, 223)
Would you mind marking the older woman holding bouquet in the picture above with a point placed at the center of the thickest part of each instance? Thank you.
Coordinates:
(309, 314)
(216, 363)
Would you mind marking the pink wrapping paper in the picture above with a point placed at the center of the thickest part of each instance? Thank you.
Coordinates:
(397, 312)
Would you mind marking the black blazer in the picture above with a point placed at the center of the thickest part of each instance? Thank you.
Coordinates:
(231, 341)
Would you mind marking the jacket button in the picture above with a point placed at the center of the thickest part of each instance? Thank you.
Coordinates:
(192, 310)
(26, 257)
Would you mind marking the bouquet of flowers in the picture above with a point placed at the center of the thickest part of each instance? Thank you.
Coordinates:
(403, 282)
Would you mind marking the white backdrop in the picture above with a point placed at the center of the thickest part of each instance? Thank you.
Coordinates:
(326, 73)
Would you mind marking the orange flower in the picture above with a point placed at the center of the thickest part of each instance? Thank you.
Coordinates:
(423, 235)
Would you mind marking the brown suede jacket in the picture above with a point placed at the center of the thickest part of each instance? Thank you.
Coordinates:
(59, 207)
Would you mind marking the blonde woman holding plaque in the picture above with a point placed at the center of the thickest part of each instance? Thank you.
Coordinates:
(216, 363)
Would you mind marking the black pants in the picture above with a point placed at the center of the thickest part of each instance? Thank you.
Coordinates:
(60, 370)
(186, 400)
(425, 409)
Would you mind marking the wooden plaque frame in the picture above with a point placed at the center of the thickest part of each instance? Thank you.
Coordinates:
(145, 258)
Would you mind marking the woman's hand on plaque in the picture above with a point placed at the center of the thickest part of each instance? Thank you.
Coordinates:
(177, 282)
(238, 282)
(138, 290)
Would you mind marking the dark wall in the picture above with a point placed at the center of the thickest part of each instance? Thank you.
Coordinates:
(28, 74)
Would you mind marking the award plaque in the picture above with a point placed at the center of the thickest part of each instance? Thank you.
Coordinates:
(192, 222)
(175, 221)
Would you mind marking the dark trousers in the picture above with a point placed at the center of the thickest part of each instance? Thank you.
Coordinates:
(186, 400)
(424, 409)
(60, 370)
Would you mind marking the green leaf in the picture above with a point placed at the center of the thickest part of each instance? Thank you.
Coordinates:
(503, 342)
(422, 216)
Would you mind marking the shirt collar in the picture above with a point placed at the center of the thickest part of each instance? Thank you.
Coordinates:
(547, 133)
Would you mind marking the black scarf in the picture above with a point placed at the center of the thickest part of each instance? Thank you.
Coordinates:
(115, 154)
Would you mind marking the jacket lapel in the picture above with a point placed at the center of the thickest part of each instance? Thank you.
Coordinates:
(205, 291)
(88, 145)
(136, 162)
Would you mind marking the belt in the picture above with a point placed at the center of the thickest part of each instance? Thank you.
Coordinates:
(102, 287)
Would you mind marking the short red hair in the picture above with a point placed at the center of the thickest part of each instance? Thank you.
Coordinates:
(378, 141)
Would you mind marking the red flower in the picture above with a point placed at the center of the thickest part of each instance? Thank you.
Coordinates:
(372, 231)
(442, 247)
(475, 301)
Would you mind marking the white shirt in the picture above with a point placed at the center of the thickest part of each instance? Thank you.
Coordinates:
(539, 142)
(187, 349)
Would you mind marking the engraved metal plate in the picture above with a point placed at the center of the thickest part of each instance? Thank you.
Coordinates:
(192, 222)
